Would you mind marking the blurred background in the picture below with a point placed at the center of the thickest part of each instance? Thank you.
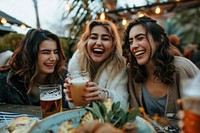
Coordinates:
(67, 19)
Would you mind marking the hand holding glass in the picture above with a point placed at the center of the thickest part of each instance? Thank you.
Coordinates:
(78, 82)
(50, 99)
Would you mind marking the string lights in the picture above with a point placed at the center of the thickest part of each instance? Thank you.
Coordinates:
(67, 6)
(102, 16)
(23, 26)
(3, 21)
(157, 10)
(124, 21)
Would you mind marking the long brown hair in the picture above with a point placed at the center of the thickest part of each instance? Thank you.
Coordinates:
(162, 58)
(24, 59)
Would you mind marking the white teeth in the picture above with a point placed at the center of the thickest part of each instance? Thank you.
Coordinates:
(98, 50)
(140, 52)
(50, 64)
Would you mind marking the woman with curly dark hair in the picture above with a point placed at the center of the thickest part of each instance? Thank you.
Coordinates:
(155, 67)
(39, 59)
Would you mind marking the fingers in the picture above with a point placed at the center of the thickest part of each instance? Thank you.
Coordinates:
(97, 95)
(180, 115)
(67, 85)
(180, 103)
(68, 95)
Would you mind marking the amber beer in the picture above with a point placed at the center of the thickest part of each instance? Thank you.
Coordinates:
(191, 106)
(78, 84)
(77, 91)
(50, 106)
(50, 99)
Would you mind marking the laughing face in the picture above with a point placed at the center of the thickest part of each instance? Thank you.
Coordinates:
(141, 48)
(100, 45)
(47, 57)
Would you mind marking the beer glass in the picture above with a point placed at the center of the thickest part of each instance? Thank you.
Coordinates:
(78, 82)
(191, 106)
(50, 99)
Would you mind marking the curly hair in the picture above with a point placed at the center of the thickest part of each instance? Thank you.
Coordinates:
(162, 58)
(115, 58)
(25, 58)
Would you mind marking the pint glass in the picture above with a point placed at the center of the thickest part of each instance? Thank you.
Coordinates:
(78, 82)
(191, 106)
(50, 99)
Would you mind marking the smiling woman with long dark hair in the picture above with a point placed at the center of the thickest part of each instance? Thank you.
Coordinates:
(155, 67)
(39, 59)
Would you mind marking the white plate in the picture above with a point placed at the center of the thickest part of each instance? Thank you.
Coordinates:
(52, 123)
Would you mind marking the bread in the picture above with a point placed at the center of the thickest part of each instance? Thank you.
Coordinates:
(88, 127)
(21, 124)
(66, 127)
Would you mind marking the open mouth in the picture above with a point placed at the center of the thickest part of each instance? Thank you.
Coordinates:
(98, 51)
(50, 65)
(138, 53)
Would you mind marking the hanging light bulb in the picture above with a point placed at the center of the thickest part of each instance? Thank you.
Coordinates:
(23, 26)
(3, 21)
(102, 16)
(158, 10)
(140, 15)
(67, 6)
(124, 21)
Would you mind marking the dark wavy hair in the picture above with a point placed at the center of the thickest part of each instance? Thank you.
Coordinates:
(162, 58)
(25, 58)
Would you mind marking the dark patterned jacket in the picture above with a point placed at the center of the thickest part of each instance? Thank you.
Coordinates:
(13, 91)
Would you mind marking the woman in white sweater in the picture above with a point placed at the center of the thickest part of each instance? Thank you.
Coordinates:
(99, 52)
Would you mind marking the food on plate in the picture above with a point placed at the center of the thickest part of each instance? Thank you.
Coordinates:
(21, 124)
(103, 117)
(96, 127)
(66, 127)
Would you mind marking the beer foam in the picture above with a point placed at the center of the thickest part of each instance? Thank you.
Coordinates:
(50, 98)
(79, 80)
(191, 91)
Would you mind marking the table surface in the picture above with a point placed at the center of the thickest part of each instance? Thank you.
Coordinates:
(22, 109)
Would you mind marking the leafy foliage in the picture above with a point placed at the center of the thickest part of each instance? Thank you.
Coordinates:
(116, 116)
(186, 25)
(10, 41)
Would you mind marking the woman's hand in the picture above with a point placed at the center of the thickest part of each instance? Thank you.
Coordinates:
(95, 93)
(67, 91)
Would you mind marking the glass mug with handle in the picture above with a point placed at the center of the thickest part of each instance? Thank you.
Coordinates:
(50, 99)
(78, 82)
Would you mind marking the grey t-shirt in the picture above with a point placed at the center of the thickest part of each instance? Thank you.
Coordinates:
(153, 105)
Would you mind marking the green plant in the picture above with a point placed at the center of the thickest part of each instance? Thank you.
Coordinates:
(108, 112)
(10, 41)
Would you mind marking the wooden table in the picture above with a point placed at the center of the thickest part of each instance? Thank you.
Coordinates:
(22, 109)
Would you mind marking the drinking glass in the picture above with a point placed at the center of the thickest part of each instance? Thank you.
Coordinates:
(50, 99)
(78, 82)
(191, 106)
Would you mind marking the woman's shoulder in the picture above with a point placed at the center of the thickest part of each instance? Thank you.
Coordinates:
(183, 62)
(184, 65)
(3, 75)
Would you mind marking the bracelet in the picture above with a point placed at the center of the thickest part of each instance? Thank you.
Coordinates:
(106, 93)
